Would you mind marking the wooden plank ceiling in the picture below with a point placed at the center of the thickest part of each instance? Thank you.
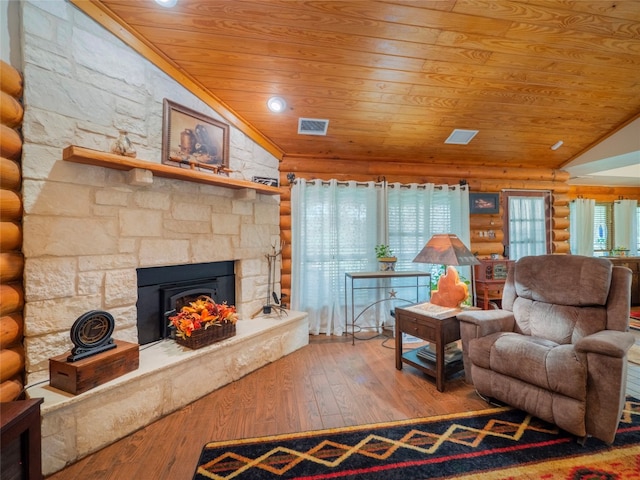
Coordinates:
(394, 78)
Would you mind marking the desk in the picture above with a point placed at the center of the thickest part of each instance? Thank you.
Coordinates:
(21, 439)
(439, 332)
(409, 283)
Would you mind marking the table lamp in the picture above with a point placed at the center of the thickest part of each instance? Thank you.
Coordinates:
(447, 249)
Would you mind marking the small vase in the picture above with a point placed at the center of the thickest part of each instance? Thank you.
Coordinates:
(122, 145)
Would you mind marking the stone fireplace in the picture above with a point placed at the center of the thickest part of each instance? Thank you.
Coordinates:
(89, 230)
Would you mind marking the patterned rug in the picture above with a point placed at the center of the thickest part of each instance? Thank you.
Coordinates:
(634, 320)
(498, 443)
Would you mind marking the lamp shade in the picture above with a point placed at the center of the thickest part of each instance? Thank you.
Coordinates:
(446, 249)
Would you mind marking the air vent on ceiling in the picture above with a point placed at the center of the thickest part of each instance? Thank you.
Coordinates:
(312, 126)
(461, 137)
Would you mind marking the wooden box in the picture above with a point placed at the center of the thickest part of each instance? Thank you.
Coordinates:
(78, 377)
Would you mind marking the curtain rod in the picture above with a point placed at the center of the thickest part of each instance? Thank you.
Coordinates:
(390, 185)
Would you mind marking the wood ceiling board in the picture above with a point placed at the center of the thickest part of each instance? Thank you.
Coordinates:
(394, 73)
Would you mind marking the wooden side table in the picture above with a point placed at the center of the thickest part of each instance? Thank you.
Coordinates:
(20, 439)
(438, 331)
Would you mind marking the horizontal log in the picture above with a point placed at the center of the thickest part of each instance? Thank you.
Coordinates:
(10, 80)
(561, 198)
(11, 329)
(285, 235)
(285, 222)
(481, 236)
(497, 185)
(560, 223)
(10, 236)
(11, 111)
(11, 362)
(560, 247)
(11, 389)
(485, 222)
(389, 169)
(285, 207)
(486, 248)
(10, 143)
(285, 280)
(11, 298)
(10, 175)
(10, 205)
(11, 266)
(286, 265)
(602, 193)
(560, 235)
(560, 211)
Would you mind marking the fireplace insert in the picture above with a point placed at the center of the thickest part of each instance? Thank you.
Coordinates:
(164, 289)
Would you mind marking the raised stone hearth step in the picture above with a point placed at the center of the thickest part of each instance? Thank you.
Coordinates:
(74, 426)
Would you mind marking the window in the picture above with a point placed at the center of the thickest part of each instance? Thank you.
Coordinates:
(527, 218)
(336, 225)
(602, 229)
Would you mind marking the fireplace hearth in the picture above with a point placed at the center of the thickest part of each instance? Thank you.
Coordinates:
(162, 290)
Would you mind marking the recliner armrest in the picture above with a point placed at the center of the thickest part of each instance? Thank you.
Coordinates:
(606, 342)
(488, 321)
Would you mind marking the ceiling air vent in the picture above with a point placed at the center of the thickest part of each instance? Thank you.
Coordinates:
(461, 137)
(312, 126)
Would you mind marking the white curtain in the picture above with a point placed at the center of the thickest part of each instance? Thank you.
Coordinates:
(527, 226)
(581, 220)
(335, 227)
(334, 230)
(416, 212)
(625, 221)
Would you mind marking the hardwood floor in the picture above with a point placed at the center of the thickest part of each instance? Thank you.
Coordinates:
(330, 383)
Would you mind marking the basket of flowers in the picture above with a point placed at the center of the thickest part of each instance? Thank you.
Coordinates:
(204, 322)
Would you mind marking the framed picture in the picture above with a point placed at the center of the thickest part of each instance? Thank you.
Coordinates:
(193, 140)
(484, 202)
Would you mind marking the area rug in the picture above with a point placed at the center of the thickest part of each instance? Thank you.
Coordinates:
(634, 319)
(490, 444)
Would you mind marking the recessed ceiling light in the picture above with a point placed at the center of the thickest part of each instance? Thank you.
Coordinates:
(557, 145)
(276, 104)
(167, 3)
(461, 137)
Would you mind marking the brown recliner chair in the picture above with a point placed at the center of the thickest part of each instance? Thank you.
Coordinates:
(558, 347)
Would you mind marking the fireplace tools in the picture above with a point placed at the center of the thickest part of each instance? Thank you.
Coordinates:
(271, 280)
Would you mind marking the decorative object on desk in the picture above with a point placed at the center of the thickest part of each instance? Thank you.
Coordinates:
(203, 322)
(272, 182)
(447, 249)
(386, 260)
(484, 203)
(91, 334)
(620, 252)
(123, 146)
(193, 140)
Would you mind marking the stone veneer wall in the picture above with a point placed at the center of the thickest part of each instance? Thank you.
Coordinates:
(86, 229)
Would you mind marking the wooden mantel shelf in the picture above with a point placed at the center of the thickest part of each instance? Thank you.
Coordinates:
(87, 156)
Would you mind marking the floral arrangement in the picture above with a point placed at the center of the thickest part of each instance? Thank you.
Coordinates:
(203, 313)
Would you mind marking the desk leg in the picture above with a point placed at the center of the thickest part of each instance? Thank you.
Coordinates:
(398, 345)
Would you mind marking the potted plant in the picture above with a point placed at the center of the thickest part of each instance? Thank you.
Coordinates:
(386, 260)
(204, 322)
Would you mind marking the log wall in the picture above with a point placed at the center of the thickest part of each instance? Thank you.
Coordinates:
(604, 194)
(12, 361)
(486, 230)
